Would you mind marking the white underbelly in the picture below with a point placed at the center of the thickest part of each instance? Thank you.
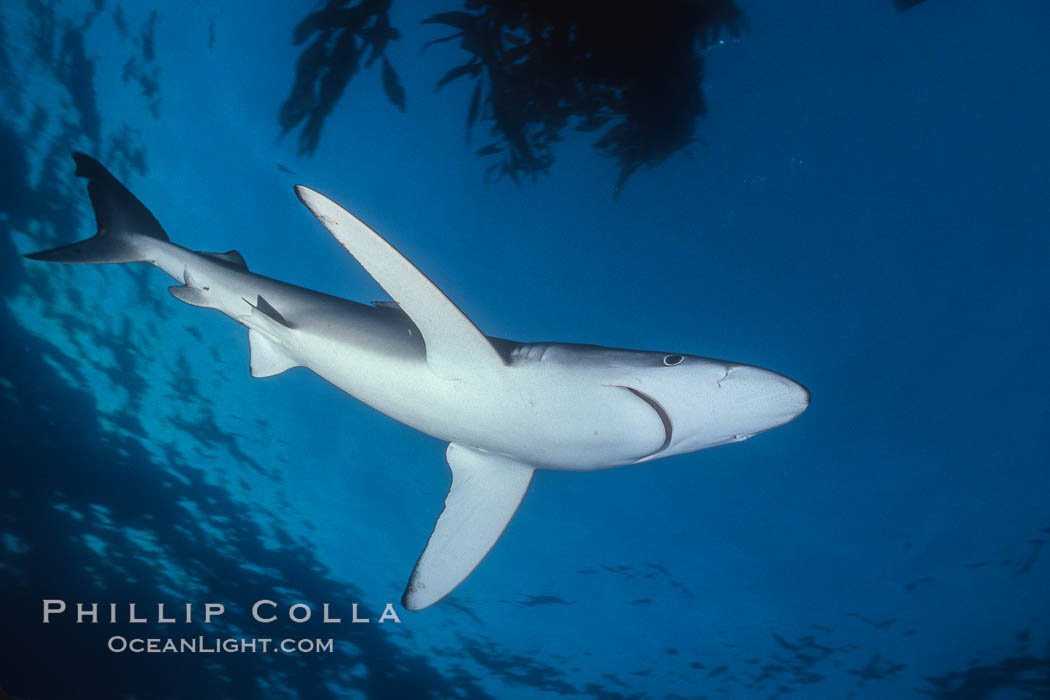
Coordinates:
(540, 420)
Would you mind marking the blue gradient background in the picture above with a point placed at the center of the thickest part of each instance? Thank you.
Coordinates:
(866, 211)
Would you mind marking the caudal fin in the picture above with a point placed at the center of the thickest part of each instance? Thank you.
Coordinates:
(121, 219)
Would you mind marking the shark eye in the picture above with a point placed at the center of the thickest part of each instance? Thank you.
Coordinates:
(672, 360)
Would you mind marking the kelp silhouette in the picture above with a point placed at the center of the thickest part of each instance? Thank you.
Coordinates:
(343, 34)
(539, 67)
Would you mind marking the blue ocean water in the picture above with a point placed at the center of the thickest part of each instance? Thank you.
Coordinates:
(865, 209)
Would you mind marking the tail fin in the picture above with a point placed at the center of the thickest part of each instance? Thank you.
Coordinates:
(120, 217)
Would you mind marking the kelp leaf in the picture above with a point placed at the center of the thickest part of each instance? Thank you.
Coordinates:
(378, 38)
(301, 101)
(392, 85)
(472, 68)
(310, 24)
(442, 40)
(475, 103)
(613, 135)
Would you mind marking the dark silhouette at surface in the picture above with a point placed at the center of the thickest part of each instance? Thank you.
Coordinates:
(542, 66)
(632, 72)
(345, 36)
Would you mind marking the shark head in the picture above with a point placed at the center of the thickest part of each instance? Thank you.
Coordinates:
(706, 403)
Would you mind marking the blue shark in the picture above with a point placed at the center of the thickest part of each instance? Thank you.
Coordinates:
(505, 408)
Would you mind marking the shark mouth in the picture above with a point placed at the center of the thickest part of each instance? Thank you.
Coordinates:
(664, 418)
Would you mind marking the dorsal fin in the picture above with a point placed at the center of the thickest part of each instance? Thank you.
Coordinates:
(230, 256)
(455, 346)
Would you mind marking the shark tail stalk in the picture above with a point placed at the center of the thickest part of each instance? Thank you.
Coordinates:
(122, 222)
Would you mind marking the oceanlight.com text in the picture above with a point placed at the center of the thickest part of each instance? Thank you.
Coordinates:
(217, 645)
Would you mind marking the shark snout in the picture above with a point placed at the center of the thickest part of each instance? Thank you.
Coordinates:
(767, 398)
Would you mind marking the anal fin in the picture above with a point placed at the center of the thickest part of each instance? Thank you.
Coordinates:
(485, 493)
(191, 295)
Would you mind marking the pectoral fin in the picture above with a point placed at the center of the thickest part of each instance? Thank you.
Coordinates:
(455, 346)
(485, 493)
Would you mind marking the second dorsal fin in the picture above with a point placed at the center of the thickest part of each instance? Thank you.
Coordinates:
(230, 256)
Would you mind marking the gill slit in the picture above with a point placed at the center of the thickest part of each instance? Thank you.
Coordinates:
(664, 418)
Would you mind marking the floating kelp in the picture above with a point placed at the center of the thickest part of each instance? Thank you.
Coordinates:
(632, 72)
(542, 66)
(344, 34)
